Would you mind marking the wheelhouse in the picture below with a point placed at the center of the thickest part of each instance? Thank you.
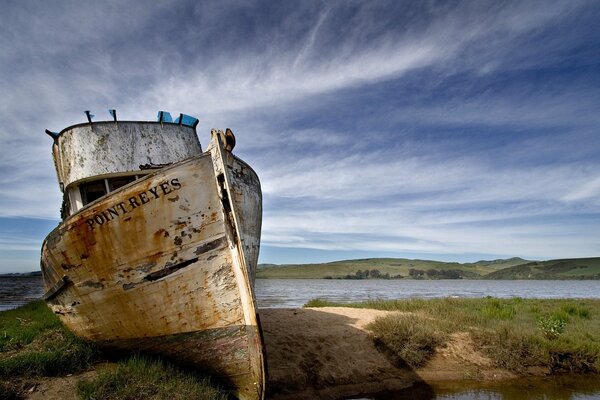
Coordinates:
(96, 158)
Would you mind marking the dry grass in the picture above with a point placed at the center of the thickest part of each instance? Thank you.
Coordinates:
(557, 335)
(407, 338)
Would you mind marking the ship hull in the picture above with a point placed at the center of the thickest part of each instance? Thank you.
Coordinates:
(166, 265)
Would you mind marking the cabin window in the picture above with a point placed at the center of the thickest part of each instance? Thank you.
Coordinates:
(91, 191)
(115, 183)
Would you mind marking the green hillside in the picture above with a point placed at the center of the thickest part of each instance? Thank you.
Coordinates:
(573, 268)
(500, 263)
(386, 268)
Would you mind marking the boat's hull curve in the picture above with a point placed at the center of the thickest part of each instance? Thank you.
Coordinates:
(166, 265)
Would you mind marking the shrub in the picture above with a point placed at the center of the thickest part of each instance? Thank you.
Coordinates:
(552, 327)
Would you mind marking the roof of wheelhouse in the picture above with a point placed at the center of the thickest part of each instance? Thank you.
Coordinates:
(86, 150)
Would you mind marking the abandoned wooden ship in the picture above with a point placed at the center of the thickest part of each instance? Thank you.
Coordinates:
(158, 245)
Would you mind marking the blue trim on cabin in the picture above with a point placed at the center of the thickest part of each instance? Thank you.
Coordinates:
(162, 117)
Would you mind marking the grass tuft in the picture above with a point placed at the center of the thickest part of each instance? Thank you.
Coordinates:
(574, 310)
(318, 302)
(143, 378)
(33, 342)
(408, 339)
(496, 309)
(511, 348)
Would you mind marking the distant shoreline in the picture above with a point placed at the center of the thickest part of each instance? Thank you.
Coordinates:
(401, 268)
(32, 274)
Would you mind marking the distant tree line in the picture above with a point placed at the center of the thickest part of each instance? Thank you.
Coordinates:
(436, 274)
(368, 274)
(413, 273)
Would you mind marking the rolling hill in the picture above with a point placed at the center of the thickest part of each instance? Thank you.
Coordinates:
(500, 263)
(386, 268)
(402, 268)
(573, 268)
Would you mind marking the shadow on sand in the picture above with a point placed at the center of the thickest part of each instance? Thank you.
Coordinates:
(321, 354)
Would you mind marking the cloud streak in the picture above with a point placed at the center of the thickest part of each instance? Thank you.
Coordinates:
(440, 128)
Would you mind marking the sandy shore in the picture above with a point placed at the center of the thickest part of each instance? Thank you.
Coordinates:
(326, 353)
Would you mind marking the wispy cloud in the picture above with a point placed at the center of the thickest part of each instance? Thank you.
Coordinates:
(386, 126)
(587, 190)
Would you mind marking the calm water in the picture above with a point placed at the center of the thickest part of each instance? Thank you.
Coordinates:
(16, 291)
(555, 388)
(296, 292)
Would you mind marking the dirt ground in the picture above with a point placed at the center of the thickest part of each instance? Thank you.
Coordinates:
(326, 353)
(52, 388)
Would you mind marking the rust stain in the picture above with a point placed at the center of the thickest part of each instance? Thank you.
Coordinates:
(91, 284)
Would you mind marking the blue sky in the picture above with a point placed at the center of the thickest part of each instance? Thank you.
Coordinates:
(447, 130)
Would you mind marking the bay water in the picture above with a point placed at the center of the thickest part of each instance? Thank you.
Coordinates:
(18, 290)
(296, 292)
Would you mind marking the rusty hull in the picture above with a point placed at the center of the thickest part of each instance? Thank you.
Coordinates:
(166, 265)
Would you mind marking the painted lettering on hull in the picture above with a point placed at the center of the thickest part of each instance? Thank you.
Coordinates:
(140, 199)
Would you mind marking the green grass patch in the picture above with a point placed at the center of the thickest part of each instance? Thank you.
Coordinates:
(317, 303)
(560, 335)
(22, 325)
(144, 378)
(33, 342)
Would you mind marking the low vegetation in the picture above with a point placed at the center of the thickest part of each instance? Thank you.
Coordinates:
(144, 378)
(34, 344)
(517, 334)
(407, 339)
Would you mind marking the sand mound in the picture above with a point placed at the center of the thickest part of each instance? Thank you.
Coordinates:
(459, 360)
(325, 353)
